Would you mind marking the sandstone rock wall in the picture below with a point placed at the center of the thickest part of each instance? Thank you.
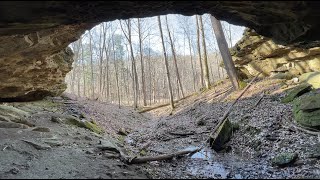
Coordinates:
(255, 53)
(34, 65)
(34, 35)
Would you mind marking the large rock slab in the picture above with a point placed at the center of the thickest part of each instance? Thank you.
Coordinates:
(312, 78)
(34, 65)
(34, 58)
(255, 53)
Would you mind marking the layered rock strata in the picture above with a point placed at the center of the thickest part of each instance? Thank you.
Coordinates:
(255, 53)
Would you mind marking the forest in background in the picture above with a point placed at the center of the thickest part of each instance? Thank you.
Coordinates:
(122, 61)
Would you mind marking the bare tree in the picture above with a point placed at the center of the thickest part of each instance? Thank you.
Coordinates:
(91, 64)
(116, 71)
(102, 40)
(174, 59)
(142, 65)
(226, 56)
(76, 48)
(83, 71)
(205, 58)
(166, 64)
(199, 52)
(136, 82)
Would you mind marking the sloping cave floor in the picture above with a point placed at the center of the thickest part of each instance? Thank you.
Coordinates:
(264, 132)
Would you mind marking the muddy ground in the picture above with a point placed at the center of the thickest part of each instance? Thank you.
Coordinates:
(264, 132)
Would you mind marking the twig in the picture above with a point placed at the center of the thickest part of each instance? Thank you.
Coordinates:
(181, 134)
(222, 92)
(262, 95)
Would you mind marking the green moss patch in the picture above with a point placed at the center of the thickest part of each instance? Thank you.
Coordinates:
(296, 92)
(306, 111)
(84, 124)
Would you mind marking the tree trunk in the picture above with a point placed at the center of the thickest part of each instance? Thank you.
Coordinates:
(91, 64)
(135, 75)
(76, 57)
(116, 71)
(83, 72)
(223, 46)
(142, 66)
(199, 53)
(191, 61)
(103, 33)
(175, 60)
(205, 58)
(166, 64)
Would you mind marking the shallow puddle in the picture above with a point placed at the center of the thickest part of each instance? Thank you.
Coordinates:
(206, 165)
(205, 153)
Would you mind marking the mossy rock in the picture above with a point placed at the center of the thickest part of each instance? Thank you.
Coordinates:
(296, 92)
(74, 121)
(286, 76)
(308, 119)
(12, 111)
(284, 159)
(93, 127)
(221, 136)
(306, 111)
(84, 124)
(312, 78)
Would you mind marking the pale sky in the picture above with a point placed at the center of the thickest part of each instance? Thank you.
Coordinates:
(175, 24)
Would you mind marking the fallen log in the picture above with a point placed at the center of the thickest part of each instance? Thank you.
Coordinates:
(226, 114)
(146, 109)
(139, 160)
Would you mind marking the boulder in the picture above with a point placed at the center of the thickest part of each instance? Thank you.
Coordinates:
(37, 145)
(13, 114)
(312, 78)
(108, 145)
(306, 111)
(296, 92)
(84, 124)
(284, 159)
